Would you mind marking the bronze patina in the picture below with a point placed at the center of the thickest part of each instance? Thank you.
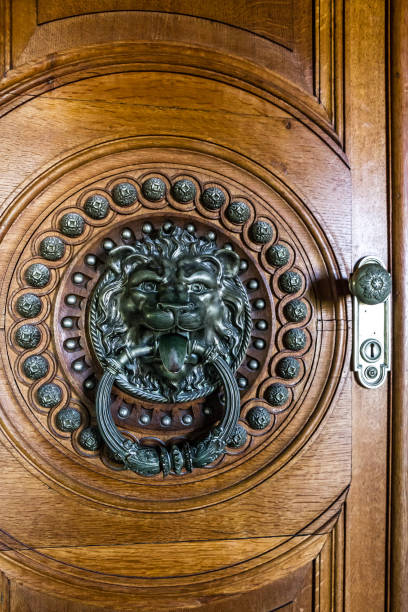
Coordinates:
(169, 320)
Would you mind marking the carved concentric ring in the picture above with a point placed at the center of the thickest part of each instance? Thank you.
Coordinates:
(269, 317)
(82, 275)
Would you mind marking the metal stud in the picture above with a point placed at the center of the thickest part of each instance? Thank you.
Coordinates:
(242, 382)
(168, 226)
(127, 234)
(124, 194)
(259, 304)
(90, 439)
(28, 305)
(67, 323)
(71, 344)
(154, 189)
(78, 365)
(277, 255)
(35, 367)
(68, 419)
(288, 367)
(37, 275)
(238, 212)
(71, 300)
(89, 384)
(108, 244)
(211, 236)
(90, 260)
(294, 339)
(295, 311)
(238, 437)
(190, 228)
(243, 265)
(258, 417)
(49, 395)
(207, 411)
(147, 228)
(52, 248)
(261, 232)
(253, 284)
(259, 343)
(96, 206)
(290, 282)
(28, 336)
(253, 364)
(72, 224)
(213, 198)
(277, 394)
(145, 419)
(261, 325)
(166, 420)
(123, 412)
(184, 191)
(78, 278)
(186, 419)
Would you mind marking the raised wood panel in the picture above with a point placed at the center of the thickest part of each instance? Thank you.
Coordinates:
(302, 42)
(273, 20)
(306, 576)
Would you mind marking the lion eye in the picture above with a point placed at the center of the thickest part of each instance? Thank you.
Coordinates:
(198, 288)
(147, 287)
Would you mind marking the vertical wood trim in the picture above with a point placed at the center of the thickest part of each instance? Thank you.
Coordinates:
(329, 60)
(399, 206)
(366, 505)
(4, 593)
(5, 37)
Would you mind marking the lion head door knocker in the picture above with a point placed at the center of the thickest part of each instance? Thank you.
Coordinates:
(169, 321)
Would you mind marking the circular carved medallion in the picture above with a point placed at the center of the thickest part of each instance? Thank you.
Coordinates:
(265, 321)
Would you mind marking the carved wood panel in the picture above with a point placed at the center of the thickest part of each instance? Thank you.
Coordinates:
(224, 100)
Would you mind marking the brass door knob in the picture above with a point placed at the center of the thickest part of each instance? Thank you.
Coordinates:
(371, 284)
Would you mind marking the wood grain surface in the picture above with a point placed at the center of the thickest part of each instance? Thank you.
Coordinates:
(283, 105)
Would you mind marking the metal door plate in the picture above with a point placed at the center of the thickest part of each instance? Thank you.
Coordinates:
(371, 337)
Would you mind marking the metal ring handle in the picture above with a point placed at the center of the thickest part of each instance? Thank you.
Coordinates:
(149, 460)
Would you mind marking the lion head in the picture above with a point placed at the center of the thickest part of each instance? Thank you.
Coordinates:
(171, 292)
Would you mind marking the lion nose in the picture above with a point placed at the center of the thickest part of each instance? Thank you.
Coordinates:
(175, 308)
(174, 299)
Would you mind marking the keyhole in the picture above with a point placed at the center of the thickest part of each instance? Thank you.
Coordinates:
(371, 350)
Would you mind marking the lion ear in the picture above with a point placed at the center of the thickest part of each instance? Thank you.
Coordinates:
(229, 261)
(118, 255)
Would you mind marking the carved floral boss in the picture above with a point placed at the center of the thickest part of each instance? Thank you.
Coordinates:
(169, 321)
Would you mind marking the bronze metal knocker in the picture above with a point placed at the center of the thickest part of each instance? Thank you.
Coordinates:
(169, 321)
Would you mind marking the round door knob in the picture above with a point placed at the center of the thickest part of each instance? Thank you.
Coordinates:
(371, 284)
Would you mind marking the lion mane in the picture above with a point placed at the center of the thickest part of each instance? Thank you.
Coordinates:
(112, 333)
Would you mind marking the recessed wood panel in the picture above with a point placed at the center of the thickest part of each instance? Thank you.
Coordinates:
(273, 20)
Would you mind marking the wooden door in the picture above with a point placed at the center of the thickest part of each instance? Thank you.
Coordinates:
(254, 128)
